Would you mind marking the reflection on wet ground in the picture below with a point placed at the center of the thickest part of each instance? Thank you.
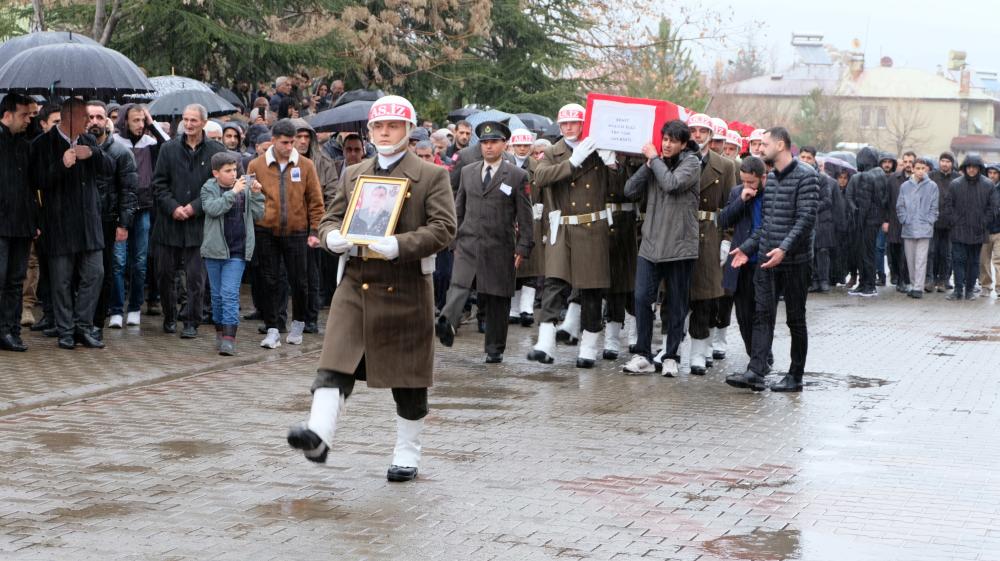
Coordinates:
(190, 448)
(759, 545)
(62, 441)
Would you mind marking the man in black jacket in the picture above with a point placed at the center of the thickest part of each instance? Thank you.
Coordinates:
(898, 270)
(118, 202)
(939, 256)
(970, 210)
(183, 166)
(783, 245)
(18, 214)
(67, 164)
(867, 194)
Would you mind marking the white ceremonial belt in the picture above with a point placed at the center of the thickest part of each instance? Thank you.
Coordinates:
(621, 207)
(578, 219)
(705, 215)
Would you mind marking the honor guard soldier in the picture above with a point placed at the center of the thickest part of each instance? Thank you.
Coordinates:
(381, 323)
(532, 269)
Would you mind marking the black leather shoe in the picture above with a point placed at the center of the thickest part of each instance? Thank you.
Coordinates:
(971, 296)
(398, 474)
(494, 358)
(12, 343)
(51, 332)
(301, 438)
(954, 295)
(311, 327)
(45, 323)
(584, 363)
(698, 371)
(262, 329)
(719, 355)
(99, 334)
(527, 320)
(916, 294)
(566, 337)
(610, 355)
(708, 362)
(748, 379)
(631, 349)
(189, 332)
(445, 331)
(790, 383)
(540, 356)
(511, 320)
(67, 342)
(170, 327)
(88, 340)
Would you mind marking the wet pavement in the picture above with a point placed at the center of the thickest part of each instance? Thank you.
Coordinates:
(174, 454)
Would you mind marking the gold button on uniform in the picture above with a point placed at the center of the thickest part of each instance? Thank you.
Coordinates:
(364, 286)
(572, 204)
(390, 289)
(588, 205)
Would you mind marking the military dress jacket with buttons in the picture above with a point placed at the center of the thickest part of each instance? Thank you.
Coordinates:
(579, 255)
(624, 231)
(717, 180)
(487, 238)
(534, 266)
(383, 311)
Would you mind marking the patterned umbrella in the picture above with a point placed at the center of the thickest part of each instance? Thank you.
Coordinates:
(162, 85)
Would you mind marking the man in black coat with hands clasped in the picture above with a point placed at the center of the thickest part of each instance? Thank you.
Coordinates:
(783, 244)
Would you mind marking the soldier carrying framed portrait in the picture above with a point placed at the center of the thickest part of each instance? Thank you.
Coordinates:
(374, 208)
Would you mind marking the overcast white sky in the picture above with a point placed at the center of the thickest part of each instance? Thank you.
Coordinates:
(916, 34)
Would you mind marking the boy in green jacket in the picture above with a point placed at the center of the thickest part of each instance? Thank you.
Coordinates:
(230, 212)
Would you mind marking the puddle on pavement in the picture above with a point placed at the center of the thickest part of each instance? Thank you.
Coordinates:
(982, 337)
(752, 485)
(549, 377)
(759, 545)
(299, 509)
(118, 468)
(825, 379)
(297, 405)
(100, 510)
(56, 441)
(190, 448)
(474, 406)
(477, 392)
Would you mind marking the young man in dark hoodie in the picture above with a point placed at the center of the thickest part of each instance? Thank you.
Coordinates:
(867, 194)
(136, 131)
(939, 256)
(970, 210)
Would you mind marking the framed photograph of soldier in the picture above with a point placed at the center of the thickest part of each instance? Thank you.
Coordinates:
(374, 208)
(626, 124)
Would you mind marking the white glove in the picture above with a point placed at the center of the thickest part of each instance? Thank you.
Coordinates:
(609, 157)
(388, 247)
(582, 150)
(337, 243)
(724, 251)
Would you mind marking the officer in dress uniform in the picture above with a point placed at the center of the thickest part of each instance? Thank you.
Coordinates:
(494, 237)
(532, 270)
(381, 324)
(573, 179)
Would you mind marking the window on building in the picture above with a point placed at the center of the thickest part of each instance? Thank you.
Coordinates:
(880, 121)
(866, 117)
(873, 117)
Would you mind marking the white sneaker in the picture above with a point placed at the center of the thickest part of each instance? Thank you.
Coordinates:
(272, 340)
(669, 368)
(638, 365)
(132, 318)
(116, 321)
(295, 333)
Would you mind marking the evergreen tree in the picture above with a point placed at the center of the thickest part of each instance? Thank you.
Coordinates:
(818, 121)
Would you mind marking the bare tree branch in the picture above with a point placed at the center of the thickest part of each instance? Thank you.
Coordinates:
(38, 21)
(112, 23)
(98, 19)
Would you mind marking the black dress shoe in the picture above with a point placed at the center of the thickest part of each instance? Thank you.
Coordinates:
(527, 320)
(511, 320)
(445, 331)
(708, 362)
(51, 332)
(45, 323)
(540, 356)
(189, 332)
(170, 327)
(790, 383)
(301, 438)
(12, 343)
(610, 355)
(87, 339)
(748, 379)
(566, 337)
(494, 358)
(698, 371)
(67, 342)
(399, 474)
(631, 349)
(584, 363)
(719, 355)
(311, 327)
(916, 294)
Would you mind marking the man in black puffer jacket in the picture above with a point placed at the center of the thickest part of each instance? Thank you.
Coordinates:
(939, 256)
(867, 199)
(969, 211)
(784, 245)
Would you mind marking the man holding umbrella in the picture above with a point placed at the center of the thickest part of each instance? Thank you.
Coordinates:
(68, 163)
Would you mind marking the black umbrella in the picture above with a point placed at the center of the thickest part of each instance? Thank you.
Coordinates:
(358, 95)
(172, 104)
(462, 113)
(13, 47)
(230, 96)
(72, 69)
(552, 132)
(534, 122)
(351, 117)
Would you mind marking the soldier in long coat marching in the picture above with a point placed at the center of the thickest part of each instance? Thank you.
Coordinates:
(494, 237)
(532, 269)
(381, 323)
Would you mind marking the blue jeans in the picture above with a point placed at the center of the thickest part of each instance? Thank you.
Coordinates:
(131, 256)
(224, 278)
(965, 261)
(648, 275)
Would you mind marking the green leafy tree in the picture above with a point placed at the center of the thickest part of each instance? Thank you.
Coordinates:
(665, 71)
(818, 121)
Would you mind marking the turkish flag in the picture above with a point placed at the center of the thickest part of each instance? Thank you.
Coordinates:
(665, 112)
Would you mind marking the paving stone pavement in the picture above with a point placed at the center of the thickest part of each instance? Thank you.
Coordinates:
(890, 453)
